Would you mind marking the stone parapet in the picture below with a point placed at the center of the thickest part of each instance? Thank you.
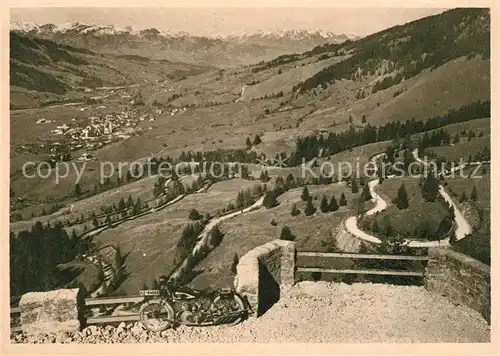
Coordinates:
(462, 279)
(265, 272)
(51, 312)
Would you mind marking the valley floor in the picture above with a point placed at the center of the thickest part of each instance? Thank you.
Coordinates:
(324, 313)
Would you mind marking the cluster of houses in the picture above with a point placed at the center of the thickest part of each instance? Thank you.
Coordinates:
(99, 130)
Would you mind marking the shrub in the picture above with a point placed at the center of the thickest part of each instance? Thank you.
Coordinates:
(216, 236)
(194, 215)
(286, 234)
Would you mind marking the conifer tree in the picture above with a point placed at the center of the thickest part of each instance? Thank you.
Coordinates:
(365, 194)
(264, 176)
(295, 211)
(270, 199)
(290, 179)
(121, 205)
(463, 197)
(375, 227)
(257, 140)
(401, 200)
(216, 236)
(248, 143)
(343, 200)
(333, 206)
(305, 194)
(473, 195)
(430, 188)
(130, 202)
(310, 209)
(324, 206)
(108, 221)
(78, 190)
(354, 186)
(234, 264)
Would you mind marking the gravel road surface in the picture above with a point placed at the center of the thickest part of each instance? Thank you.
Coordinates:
(321, 312)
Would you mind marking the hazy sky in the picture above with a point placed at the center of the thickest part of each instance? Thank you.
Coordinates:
(228, 20)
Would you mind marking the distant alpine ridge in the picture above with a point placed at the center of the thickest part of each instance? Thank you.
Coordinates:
(77, 28)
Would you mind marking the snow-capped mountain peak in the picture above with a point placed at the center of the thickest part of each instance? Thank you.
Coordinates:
(294, 34)
(79, 28)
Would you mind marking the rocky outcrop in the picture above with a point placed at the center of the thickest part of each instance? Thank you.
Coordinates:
(53, 311)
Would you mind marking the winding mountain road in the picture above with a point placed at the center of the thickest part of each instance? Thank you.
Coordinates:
(241, 94)
(204, 237)
(462, 227)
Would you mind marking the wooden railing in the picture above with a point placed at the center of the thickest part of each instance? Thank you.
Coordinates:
(307, 262)
(103, 304)
(338, 263)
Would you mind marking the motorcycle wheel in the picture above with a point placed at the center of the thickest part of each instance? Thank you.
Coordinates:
(156, 315)
(236, 304)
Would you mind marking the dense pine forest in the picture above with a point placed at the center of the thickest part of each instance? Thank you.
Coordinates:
(309, 147)
(35, 254)
(410, 49)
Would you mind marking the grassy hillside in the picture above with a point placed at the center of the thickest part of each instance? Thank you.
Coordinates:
(407, 50)
(419, 218)
(252, 229)
(477, 212)
(151, 240)
(42, 66)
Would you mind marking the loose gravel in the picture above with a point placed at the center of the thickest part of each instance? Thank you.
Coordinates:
(318, 312)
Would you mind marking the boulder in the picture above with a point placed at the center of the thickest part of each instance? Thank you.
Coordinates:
(51, 312)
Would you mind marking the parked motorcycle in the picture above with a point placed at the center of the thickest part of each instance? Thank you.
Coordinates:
(169, 307)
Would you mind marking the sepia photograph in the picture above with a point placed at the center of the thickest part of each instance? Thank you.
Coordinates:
(247, 174)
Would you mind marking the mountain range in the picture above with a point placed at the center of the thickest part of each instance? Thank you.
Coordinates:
(59, 60)
(223, 51)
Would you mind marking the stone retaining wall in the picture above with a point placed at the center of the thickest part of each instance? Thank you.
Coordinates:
(347, 242)
(264, 273)
(462, 279)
